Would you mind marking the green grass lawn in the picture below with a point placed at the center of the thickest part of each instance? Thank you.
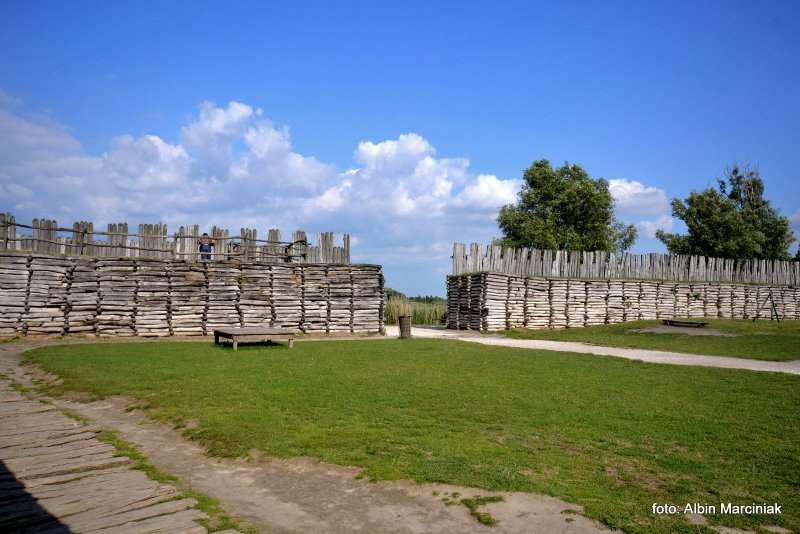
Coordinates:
(610, 434)
(762, 340)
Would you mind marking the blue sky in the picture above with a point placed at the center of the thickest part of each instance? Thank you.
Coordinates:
(405, 124)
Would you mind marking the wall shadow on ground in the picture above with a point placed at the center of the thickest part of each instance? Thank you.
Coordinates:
(20, 511)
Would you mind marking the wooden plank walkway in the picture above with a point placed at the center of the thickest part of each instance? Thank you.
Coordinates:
(57, 476)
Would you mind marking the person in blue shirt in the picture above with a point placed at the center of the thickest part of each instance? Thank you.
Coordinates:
(206, 245)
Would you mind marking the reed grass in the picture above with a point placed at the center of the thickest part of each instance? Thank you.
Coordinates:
(428, 313)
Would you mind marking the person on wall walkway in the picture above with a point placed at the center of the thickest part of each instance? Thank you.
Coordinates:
(206, 246)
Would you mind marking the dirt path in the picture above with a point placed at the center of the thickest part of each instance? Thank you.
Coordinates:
(57, 476)
(653, 356)
(303, 495)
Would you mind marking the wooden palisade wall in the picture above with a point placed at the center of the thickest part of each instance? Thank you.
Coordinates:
(496, 301)
(607, 266)
(153, 241)
(156, 297)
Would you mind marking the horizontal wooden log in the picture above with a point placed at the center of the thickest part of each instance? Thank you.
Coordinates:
(156, 298)
(489, 301)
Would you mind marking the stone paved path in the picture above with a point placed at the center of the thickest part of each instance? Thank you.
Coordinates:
(653, 356)
(58, 477)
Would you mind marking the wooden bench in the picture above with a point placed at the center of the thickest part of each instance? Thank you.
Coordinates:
(253, 334)
(679, 322)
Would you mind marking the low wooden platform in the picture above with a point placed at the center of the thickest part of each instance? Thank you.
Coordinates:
(680, 322)
(253, 334)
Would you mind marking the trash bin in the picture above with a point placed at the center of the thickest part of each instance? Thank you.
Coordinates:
(405, 326)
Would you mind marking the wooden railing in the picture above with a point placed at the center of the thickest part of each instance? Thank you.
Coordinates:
(153, 241)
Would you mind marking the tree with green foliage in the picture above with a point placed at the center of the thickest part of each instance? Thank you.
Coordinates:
(732, 221)
(563, 208)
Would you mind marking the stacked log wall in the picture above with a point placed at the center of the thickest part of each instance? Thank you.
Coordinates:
(496, 301)
(159, 298)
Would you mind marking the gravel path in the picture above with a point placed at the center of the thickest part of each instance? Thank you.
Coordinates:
(652, 356)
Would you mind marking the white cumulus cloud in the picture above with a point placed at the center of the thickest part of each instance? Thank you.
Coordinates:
(648, 228)
(146, 163)
(395, 155)
(636, 198)
(331, 199)
(403, 178)
(269, 161)
(210, 137)
(488, 192)
(233, 167)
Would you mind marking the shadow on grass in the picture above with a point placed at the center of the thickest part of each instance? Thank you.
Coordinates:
(251, 345)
